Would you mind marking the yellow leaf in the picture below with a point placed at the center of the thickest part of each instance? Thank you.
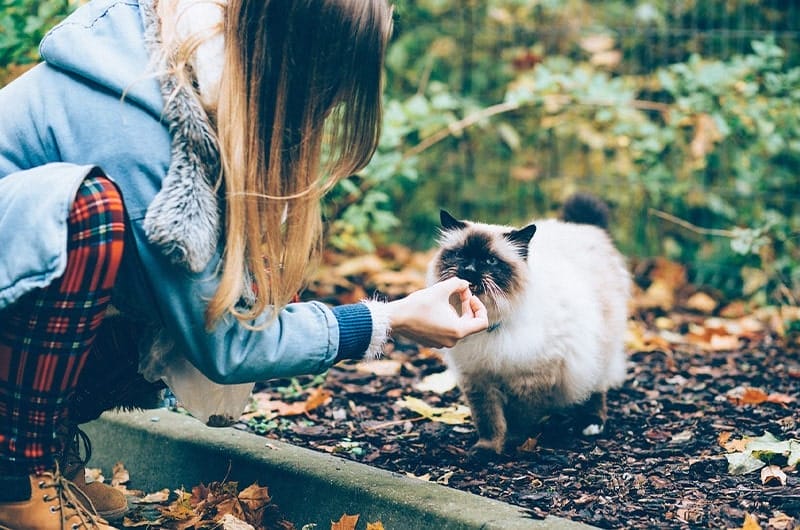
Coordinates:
(377, 525)
(750, 523)
(453, 415)
(346, 522)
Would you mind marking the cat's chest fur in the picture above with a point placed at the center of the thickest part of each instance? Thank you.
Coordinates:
(556, 293)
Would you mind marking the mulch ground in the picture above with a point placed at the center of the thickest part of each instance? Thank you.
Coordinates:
(659, 464)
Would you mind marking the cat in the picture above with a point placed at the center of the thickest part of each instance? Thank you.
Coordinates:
(556, 292)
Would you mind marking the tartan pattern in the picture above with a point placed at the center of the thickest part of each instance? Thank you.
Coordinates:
(46, 335)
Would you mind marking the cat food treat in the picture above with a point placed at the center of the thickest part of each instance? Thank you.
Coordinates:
(557, 295)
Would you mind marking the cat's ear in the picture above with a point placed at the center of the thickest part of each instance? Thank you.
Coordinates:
(522, 238)
(449, 222)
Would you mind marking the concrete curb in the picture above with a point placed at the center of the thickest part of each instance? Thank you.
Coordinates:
(162, 449)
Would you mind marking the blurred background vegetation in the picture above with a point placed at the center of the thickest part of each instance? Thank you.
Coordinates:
(683, 114)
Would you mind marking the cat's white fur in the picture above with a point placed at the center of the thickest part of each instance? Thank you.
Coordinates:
(562, 336)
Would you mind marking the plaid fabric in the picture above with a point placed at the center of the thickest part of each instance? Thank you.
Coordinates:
(46, 335)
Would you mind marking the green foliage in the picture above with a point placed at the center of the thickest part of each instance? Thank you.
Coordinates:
(709, 143)
(498, 110)
(23, 23)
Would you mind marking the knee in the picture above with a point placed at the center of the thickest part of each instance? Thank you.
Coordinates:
(98, 210)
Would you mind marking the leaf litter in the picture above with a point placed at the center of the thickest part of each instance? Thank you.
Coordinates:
(705, 432)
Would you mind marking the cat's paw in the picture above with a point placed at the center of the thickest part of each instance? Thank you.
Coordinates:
(593, 429)
(484, 450)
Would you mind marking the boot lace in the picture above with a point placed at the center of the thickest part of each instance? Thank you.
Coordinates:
(71, 497)
(70, 456)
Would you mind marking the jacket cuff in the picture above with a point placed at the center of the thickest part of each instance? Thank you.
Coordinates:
(355, 330)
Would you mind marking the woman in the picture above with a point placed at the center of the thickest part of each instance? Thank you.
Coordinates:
(170, 158)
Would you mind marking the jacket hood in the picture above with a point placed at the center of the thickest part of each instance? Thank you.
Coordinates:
(114, 44)
(102, 42)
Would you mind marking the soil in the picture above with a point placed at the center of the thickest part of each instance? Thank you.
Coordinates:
(659, 464)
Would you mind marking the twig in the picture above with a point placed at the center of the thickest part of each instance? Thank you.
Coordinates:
(458, 126)
(393, 422)
(689, 226)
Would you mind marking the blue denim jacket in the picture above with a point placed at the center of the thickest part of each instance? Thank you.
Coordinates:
(92, 103)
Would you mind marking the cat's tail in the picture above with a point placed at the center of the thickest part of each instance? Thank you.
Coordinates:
(585, 208)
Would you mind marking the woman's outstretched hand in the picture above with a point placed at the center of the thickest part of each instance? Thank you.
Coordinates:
(428, 318)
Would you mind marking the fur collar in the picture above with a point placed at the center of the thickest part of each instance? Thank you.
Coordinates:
(184, 218)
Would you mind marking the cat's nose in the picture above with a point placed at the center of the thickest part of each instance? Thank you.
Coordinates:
(469, 267)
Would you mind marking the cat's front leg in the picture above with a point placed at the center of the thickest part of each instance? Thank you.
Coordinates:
(486, 404)
(592, 414)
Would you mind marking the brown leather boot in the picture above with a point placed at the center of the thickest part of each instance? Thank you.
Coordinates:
(46, 501)
(109, 502)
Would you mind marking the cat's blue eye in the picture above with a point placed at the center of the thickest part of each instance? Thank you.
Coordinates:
(491, 261)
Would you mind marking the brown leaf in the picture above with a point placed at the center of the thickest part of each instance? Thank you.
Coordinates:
(746, 396)
(319, 397)
(529, 445)
(773, 476)
(377, 525)
(780, 399)
(346, 522)
(120, 475)
(701, 302)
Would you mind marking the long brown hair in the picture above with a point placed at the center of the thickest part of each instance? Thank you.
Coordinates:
(299, 109)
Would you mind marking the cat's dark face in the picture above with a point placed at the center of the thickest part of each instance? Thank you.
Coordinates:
(490, 257)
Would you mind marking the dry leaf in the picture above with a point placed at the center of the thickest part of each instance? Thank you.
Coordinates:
(93, 474)
(773, 476)
(377, 525)
(746, 395)
(155, 498)
(346, 522)
(382, 367)
(453, 415)
(120, 475)
(781, 521)
(319, 397)
(701, 302)
(230, 522)
(440, 382)
(529, 445)
(750, 523)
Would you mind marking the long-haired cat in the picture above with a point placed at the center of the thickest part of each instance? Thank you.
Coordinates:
(556, 292)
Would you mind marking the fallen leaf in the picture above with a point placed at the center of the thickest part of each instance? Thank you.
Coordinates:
(746, 396)
(377, 525)
(529, 445)
(701, 302)
(750, 523)
(440, 382)
(154, 498)
(773, 476)
(382, 367)
(346, 522)
(445, 479)
(120, 475)
(230, 522)
(453, 415)
(781, 521)
(93, 474)
(318, 397)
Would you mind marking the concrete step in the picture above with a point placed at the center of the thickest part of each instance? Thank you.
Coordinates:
(165, 449)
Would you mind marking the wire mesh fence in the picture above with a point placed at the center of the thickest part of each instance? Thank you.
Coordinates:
(479, 176)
